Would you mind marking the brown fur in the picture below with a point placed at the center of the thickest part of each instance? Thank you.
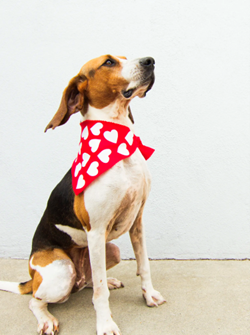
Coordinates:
(104, 77)
(43, 258)
(72, 101)
(46, 257)
(87, 88)
(26, 287)
(80, 258)
(81, 212)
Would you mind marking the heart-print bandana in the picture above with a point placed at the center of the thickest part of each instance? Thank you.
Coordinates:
(102, 145)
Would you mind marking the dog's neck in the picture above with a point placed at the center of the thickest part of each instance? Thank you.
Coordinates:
(115, 112)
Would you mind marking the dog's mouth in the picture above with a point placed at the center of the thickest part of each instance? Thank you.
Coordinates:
(128, 94)
(141, 89)
(151, 83)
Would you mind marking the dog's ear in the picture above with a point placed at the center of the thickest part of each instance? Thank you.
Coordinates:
(72, 101)
(130, 115)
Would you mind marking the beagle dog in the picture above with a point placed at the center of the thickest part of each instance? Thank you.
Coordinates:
(71, 247)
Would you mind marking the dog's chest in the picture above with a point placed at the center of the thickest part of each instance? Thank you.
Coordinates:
(138, 186)
(115, 199)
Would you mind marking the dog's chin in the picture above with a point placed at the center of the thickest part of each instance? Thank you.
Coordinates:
(150, 85)
(145, 87)
(143, 90)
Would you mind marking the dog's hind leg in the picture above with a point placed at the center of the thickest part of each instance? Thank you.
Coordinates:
(112, 259)
(152, 297)
(47, 323)
(53, 275)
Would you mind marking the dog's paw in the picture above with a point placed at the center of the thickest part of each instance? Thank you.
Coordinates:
(153, 298)
(114, 283)
(109, 327)
(48, 327)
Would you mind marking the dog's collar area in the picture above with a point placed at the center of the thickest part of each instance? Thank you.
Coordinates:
(102, 145)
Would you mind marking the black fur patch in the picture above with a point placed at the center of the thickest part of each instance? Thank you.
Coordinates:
(91, 73)
(24, 283)
(59, 211)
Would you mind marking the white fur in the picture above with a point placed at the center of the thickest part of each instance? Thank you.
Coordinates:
(47, 323)
(77, 235)
(9, 286)
(109, 113)
(131, 71)
(110, 217)
(58, 279)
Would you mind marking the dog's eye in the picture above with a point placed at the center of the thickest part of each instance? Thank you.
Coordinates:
(109, 62)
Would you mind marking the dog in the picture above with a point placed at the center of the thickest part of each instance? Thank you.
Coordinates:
(71, 247)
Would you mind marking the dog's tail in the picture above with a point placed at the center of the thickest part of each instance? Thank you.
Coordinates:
(19, 288)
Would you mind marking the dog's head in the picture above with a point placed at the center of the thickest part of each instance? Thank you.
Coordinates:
(103, 80)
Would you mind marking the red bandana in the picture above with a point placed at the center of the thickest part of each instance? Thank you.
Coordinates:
(102, 145)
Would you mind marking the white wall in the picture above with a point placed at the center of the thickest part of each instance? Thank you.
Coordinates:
(197, 115)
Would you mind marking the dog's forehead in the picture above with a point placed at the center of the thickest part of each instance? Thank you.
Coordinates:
(95, 63)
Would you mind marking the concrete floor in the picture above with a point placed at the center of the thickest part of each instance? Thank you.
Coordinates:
(203, 298)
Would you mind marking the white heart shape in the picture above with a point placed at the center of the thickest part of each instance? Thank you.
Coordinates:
(80, 182)
(80, 148)
(92, 170)
(111, 136)
(85, 133)
(77, 169)
(94, 145)
(104, 155)
(129, 138)
(95, 130)
(85, 159)
(122, 149)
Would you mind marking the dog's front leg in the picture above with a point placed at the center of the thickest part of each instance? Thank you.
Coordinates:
(97, 252)
(152, 297)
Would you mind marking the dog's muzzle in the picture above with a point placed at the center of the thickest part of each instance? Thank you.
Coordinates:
(147, 77)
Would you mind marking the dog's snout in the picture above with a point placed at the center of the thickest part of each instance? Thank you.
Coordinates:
(147, 62)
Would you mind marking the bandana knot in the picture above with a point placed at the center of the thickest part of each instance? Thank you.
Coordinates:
(102, 145)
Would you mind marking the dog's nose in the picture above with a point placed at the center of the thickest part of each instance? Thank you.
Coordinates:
(147, 62)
